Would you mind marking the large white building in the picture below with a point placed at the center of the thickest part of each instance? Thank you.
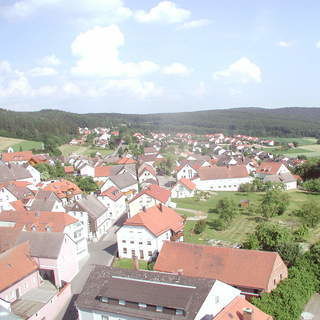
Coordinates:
(143, 235)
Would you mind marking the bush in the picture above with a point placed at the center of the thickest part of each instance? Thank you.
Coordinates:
(218, 224)
(199, 226)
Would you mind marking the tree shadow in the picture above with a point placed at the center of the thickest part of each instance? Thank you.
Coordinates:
(72, 312)
(112, 249)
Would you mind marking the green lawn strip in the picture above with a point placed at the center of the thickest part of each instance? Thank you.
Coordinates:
(128, 264)
(27, 145)
(300, 141)
(85, 150)
(185, 213)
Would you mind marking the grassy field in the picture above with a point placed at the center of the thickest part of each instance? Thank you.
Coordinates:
(18, 144)
(310, 151)
(242, 225)
(127, 264)
(301, 141)
(85, 150)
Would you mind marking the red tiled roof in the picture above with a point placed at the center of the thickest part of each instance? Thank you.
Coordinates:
(17, 156)
(148, 168)
(157, 220)
(126, 161)
(104, 171)
(15, 264)
(18, 205)
(63, 188)
(113, 193)
(235, 309)
(38, 158)
(231, 172)
(40, 220)
(156, 192)
(69, 169)
(187, 183)
(269, 167)
(238, 267)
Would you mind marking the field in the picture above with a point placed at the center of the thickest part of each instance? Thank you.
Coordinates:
(85, 150)
(301, 141)
(242, 225)
(128, 264)
(310, 151)
(18, 144)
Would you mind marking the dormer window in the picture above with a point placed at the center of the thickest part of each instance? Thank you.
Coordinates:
(159, 308)
(179, 312)
(104, 299)
(122, 302)
(142, 305)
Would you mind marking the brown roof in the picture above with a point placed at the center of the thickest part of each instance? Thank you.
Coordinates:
(15, 264)
(231, 172)
(40, 221)
(235, 310)
(157, 219)
(63, 188)
(237, 267)
(17, 156)
(68, 169)
(156, 192)
(113, 193)
(151, 288)
(126, 161)
(104, 171)
(269, 167)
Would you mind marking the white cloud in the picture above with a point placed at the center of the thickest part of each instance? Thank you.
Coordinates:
(318, 44)
(89, 12)
(176, 68)
(284, 44)
(50, 60)
(201, 90)
(42, 72)
(195, 24)
(98, 52)
(165, 11)
(242, 70)
(71, 88)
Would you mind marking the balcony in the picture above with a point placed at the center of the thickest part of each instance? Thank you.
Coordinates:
(176, 236)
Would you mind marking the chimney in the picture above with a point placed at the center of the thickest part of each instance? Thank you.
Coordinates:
(135, 263)
(37, 213)
(180, 272)
(144, 209)
(248, 314)
(160, 206)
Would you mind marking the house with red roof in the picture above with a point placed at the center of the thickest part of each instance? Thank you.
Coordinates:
(189, 168)
(147, 173)
(143, 234)
(184, 188)
(149, 197)
(251, 271)
(227, 178)
(17, 157)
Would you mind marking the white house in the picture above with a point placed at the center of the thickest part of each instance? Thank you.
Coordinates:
(222, 178)
(189, 169)
(184, 188)
(143, 234)
(146, 172)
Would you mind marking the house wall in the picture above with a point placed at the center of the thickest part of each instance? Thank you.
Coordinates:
(26, 284)
(137, 205)
(6, 196)
(221, 184)
(76, 232)
(136, 238)
(36, 176)
(279, 272)
(180, 191)
(87, 171)
(220, 295)
(186, 172)
(115, 208)
(146, 175)
(291, 185)
(98, 315)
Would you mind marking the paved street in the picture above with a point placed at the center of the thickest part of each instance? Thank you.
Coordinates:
(102, 253)
(313, 306)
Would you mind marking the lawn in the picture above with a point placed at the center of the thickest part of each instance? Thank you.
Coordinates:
(128, 264)
(301, 141)
(85, 150)
(5, 143)
(310, 151)
(242, 225)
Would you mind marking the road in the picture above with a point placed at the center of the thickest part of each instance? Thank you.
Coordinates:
(101, 252)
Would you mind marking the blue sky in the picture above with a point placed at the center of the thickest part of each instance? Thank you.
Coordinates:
(158, 56)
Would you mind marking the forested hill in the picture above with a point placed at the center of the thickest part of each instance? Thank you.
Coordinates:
(251, 121)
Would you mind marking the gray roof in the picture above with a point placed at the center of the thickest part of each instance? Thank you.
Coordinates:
(19, 192)
(44, 201)
(91, 205)
(12, 172)
(43, 244)
(123, 180)
(151, 288)
(282, 177)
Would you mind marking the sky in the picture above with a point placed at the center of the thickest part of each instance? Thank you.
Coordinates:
(145, 56)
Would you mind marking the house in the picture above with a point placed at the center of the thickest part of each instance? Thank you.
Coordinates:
(189, 169)
(125, 182)
(43, 221)
(45, 201)
(17, 157)
(232, 266)
(115, 201)
(147, 172)
(222, 178)
(143, 234)
(149, 197)
(94, 215)
(22, 290)
(271, 168)
(39, 158)
(65, 190)
(149, 151)
(184, 188)
(14, 191)
(150, 159)
(15, 172)
(288, 180)
(112, 293)
(54, 252)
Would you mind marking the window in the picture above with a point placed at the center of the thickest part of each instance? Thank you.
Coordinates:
(149, 243)
(104, 317)
(142, 305)
(125, 251)
(281, 276)
(104, 299)
(122, 302)
(274, 281)
(124, 241)
(140, 242)
(159, 309)
(216, 299)
(179, 312)
(150, 253)
(133, 253)
(132, 242)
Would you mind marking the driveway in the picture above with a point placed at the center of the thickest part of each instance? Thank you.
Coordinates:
(102, 253)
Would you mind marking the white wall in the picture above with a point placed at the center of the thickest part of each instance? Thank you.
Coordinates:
(221, 184)
(180, 191)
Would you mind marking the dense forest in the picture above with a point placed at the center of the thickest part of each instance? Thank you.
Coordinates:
(283, 122)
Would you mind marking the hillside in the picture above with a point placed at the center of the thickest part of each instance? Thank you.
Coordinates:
(283, 122)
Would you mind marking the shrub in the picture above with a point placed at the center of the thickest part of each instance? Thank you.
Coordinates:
(199, 226)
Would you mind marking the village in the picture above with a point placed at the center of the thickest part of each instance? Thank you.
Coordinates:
(162, 226)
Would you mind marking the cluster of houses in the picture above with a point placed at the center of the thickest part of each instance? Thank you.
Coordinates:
(45, 227)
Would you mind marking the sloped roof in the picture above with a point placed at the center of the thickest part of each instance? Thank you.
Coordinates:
(214, 173)
(269, 167)
(234, 311)
(156, 192)
(113, 193)
(157, 219)
(123, 180)
(126, 161)
(187, 183)
(19, 192)
(92, 206)
(146, 167)
(238, 267)
(15, 264)
(17, 156)
(12, 172)
(63, 188)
